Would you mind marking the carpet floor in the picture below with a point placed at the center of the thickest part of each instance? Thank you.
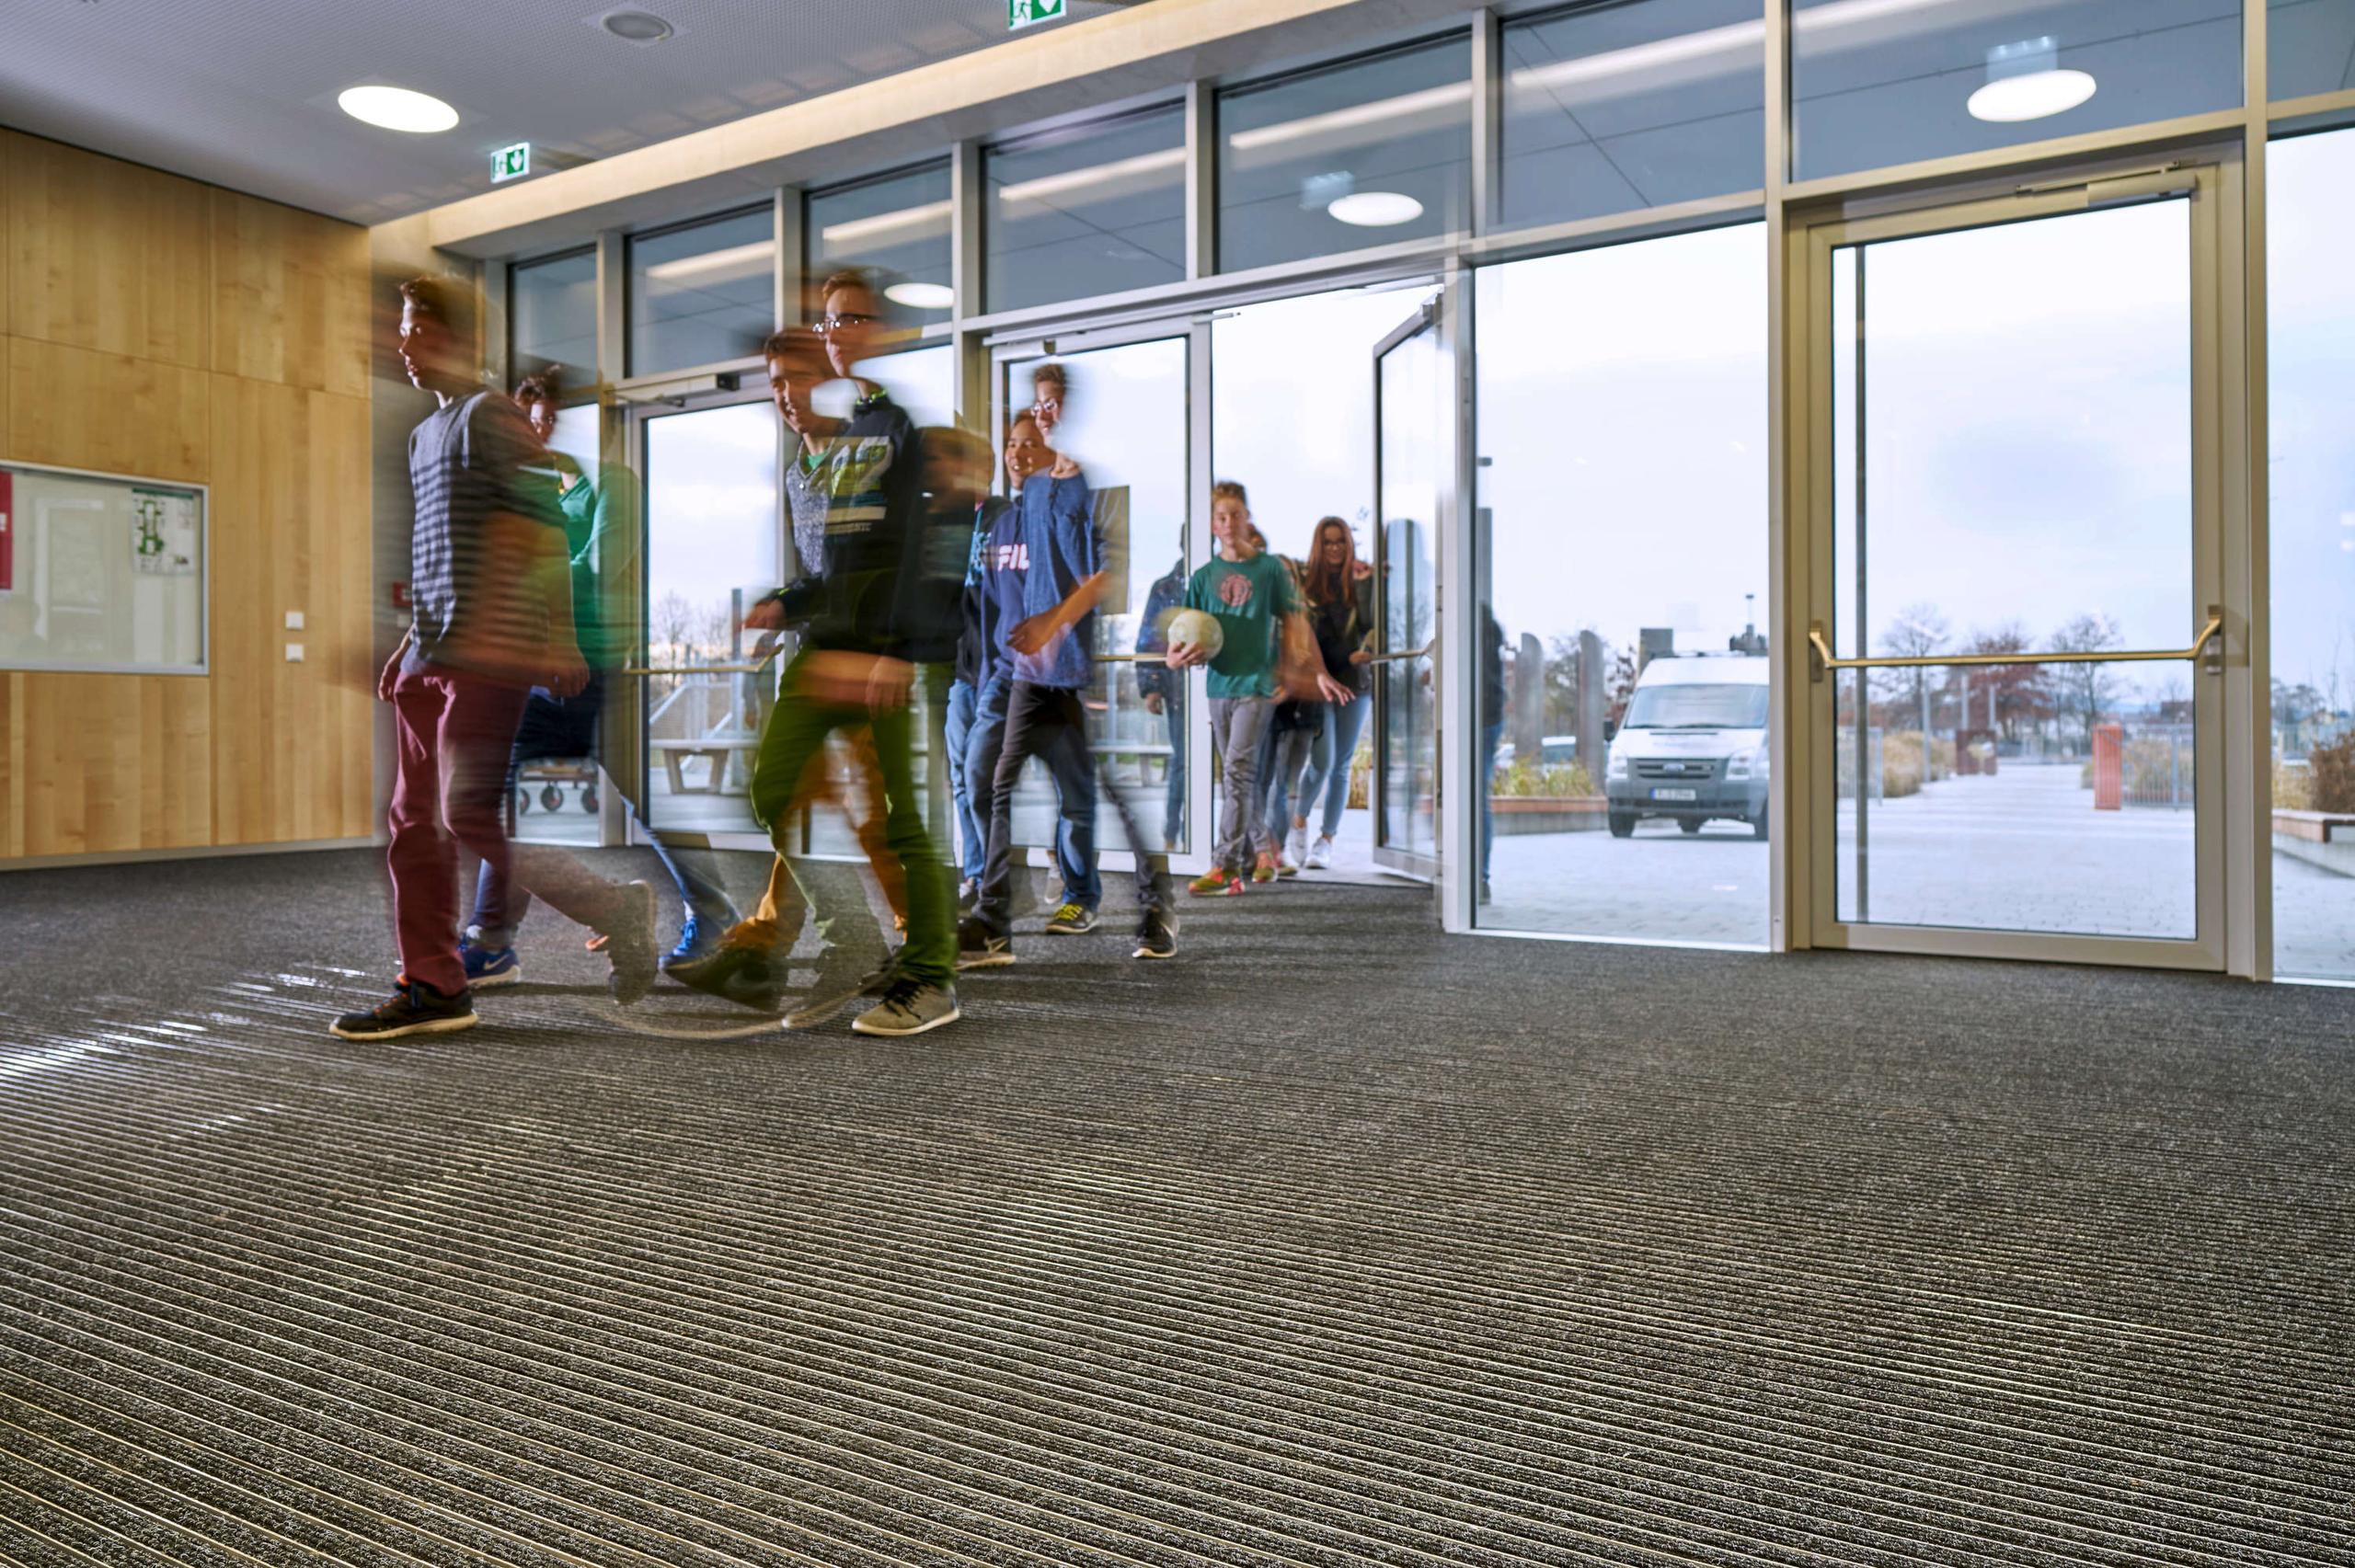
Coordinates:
(1334, 1242)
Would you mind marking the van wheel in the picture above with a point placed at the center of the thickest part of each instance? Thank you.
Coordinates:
(1758, 828)
(1623, 824)
(1688, 826)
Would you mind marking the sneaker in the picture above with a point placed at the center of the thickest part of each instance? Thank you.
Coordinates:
(696, 940)
(1072, 919)
(969, 893)
(1156, 936)
(745, 967)
(1215, 882)
(416, 1008)
(1319, 856)
(1265, 871)
(490, 966)
(840, 982)
(630, 945)
(909, 1007)
(1296, 849)
(977, 948)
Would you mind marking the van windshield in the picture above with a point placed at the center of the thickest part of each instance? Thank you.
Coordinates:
(1697, 707)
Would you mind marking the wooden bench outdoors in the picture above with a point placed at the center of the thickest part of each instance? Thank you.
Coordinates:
(676, 754)
(2313, 827)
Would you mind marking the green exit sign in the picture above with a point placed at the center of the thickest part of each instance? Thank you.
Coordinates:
(1022, 13)
(512, 163)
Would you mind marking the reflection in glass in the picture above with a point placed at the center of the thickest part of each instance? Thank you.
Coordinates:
(712, 533)
(1093, 210)
(1615, 108)
(1881, 81)
(922, 381)
(703, 293)
(1409, 412)
(1620, 559)
(552, 318)
(2311, 337)
(898, 223)
(1362, 153)
(2309, 47)
(2012, 436)
(1122, 417)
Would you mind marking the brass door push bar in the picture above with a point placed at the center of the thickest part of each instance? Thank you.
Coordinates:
(1825, 659)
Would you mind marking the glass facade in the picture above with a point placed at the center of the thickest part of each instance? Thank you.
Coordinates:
(2023, 397)
(1620, 554)
(1362, 153)
(703, 293)
(2310, 47)
(1615, 108)
(2311, 410)
(552, 318)
(1877, 85)
(1094, 210)
(899, 224)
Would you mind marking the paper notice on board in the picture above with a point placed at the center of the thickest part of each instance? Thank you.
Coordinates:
(163, 533)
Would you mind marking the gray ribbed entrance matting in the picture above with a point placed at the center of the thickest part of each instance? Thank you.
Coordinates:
(1336, 1242)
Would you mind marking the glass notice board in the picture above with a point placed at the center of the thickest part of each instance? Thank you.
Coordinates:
(101, 572)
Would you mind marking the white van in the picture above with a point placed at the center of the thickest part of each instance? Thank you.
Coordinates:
(1693, 745)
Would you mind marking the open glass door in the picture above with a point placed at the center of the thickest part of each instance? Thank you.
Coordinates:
(1414, 477)
(2015, 622)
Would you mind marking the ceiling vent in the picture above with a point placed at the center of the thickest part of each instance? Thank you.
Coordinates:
(635, 27)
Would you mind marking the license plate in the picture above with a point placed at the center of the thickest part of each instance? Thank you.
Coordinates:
(1676, 794)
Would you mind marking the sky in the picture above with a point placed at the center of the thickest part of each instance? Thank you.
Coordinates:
(2310, 252)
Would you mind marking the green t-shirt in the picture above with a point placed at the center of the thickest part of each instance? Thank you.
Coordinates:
(1247, 597)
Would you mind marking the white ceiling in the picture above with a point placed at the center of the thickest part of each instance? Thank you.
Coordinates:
(241, 93)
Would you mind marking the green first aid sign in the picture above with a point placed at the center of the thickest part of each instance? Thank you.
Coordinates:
(513, 162)
(1022, 13)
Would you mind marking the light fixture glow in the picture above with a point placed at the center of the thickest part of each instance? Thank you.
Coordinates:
(921, 296)
(735, 262)
(397, 109)
(2034, 95)
(1375, 209)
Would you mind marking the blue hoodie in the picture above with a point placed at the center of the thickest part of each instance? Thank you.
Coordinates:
(1040, 550)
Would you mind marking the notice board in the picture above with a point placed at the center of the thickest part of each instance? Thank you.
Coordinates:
(101, 572)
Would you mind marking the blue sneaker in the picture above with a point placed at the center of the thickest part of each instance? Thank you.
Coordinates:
(490, 965)
(695, 943)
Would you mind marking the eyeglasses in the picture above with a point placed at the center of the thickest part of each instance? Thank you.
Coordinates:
(826, 326)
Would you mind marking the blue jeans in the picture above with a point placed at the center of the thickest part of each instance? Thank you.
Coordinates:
(1286, 752)
(1328, 760)
(1048, 723)
(1173, 809)
(983, 744)
(957, 735)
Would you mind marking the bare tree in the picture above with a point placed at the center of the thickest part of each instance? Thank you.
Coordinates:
(2014, 694)
(1918, 631)
(674, 619)
(2087, 691)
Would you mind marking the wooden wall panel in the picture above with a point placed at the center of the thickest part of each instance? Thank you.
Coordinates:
(115, 763)
(12, 763)
(291, 742)
(73, 408)
(107, 255)
(7, 246)
(290, 300)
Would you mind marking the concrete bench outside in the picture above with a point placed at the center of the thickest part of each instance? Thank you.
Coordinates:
(675, 755)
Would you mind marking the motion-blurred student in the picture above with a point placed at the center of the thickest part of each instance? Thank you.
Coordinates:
(601, 533)
(1340, 590)
(1164, 693)
(490, 581)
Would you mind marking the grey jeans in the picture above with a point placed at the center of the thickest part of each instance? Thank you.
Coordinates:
(1238, 726)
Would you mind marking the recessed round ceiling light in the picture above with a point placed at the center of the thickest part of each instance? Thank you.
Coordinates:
(398, 108)
(1375, 209)
(922, 296)
(2030, 97)
(637, 26)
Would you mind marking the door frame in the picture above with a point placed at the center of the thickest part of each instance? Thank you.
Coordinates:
(1431, 316)
(1194, 327)
(2209, 181)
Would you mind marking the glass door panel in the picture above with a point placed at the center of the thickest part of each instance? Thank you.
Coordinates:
(1414, 438)
(1122, 414)
(712, 531)
(2016, 456)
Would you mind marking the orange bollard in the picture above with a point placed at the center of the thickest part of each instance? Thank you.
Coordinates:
(2109, 767)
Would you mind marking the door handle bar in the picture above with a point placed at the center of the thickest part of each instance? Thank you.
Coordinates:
(1825, 659)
